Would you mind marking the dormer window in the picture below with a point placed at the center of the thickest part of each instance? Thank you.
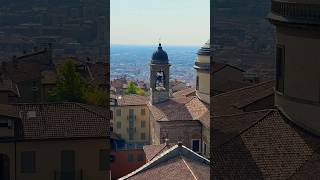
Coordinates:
(31, 114)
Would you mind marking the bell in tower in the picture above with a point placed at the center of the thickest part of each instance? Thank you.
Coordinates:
(159, 76)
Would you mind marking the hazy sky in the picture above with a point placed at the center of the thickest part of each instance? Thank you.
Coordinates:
(176, 22)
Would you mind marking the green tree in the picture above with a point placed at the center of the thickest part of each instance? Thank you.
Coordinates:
(134, 89)
(95, 96)
(69, 86)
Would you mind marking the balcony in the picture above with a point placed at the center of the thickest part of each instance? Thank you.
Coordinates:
(69, 175)
(295, 12)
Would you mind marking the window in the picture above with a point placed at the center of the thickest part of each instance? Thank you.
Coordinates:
(131, 113)
(160, 80)
(143, 124)
(130, 136)
(143, 136)
(140, 157)
(28, 162)
(280, 68)
(197, 83)
(112, 158)
(103, 159)
(119, 125)
(111, 114)
(118, 112)
(143, 112)
(195, 145)
(204, 149)
(130, 158)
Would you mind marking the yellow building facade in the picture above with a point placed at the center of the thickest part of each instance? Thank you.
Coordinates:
(43, 141)
(131, 120)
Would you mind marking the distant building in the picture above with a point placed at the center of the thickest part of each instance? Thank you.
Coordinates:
(9, 91)
(53, 141)
(125, 161)
(130, 119)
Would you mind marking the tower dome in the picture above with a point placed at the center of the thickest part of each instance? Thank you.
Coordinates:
(202, 68)
(159, 56)
(205, 49)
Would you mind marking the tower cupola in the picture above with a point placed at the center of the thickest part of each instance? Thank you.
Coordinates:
(159, 76)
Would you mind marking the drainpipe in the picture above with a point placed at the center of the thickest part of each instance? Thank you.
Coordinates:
(15, 159)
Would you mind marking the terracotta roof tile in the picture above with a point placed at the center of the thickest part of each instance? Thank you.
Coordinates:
(181, 108)
(174, 163)
(61, 120)
(152, 151)
(132, 100)
(184, 92)
(271, 148)
(228, 85)
(232, 102)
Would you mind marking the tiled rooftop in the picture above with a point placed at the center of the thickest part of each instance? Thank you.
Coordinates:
(181, 108)
(232, 102)
(263, 145)
(178, 162)
(57, 120)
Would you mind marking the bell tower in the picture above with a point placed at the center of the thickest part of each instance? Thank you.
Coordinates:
(159, 76)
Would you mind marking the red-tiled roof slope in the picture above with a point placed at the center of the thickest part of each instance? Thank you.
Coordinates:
(178, 162)
(132, 100)
(182, 108)
(184, 92)
(60, 120)
(152, 151)
(232, 102)
(228, 85)
(271, 148)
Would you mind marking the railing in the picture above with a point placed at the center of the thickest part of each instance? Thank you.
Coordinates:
(69, 175)
(296, 10)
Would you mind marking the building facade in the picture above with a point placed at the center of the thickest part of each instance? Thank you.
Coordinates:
(297, 59)
(130, 120)
(57, 141)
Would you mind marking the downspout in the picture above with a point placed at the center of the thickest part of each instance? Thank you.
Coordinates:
(15, 159)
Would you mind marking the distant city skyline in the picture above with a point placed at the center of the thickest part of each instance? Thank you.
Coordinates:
(147, 22)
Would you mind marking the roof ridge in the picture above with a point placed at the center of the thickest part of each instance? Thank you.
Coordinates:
(255, 123)
(244, 88)
(159, 152)
(255, 100)
(160, 157)
(189, 168)
(242, 113)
